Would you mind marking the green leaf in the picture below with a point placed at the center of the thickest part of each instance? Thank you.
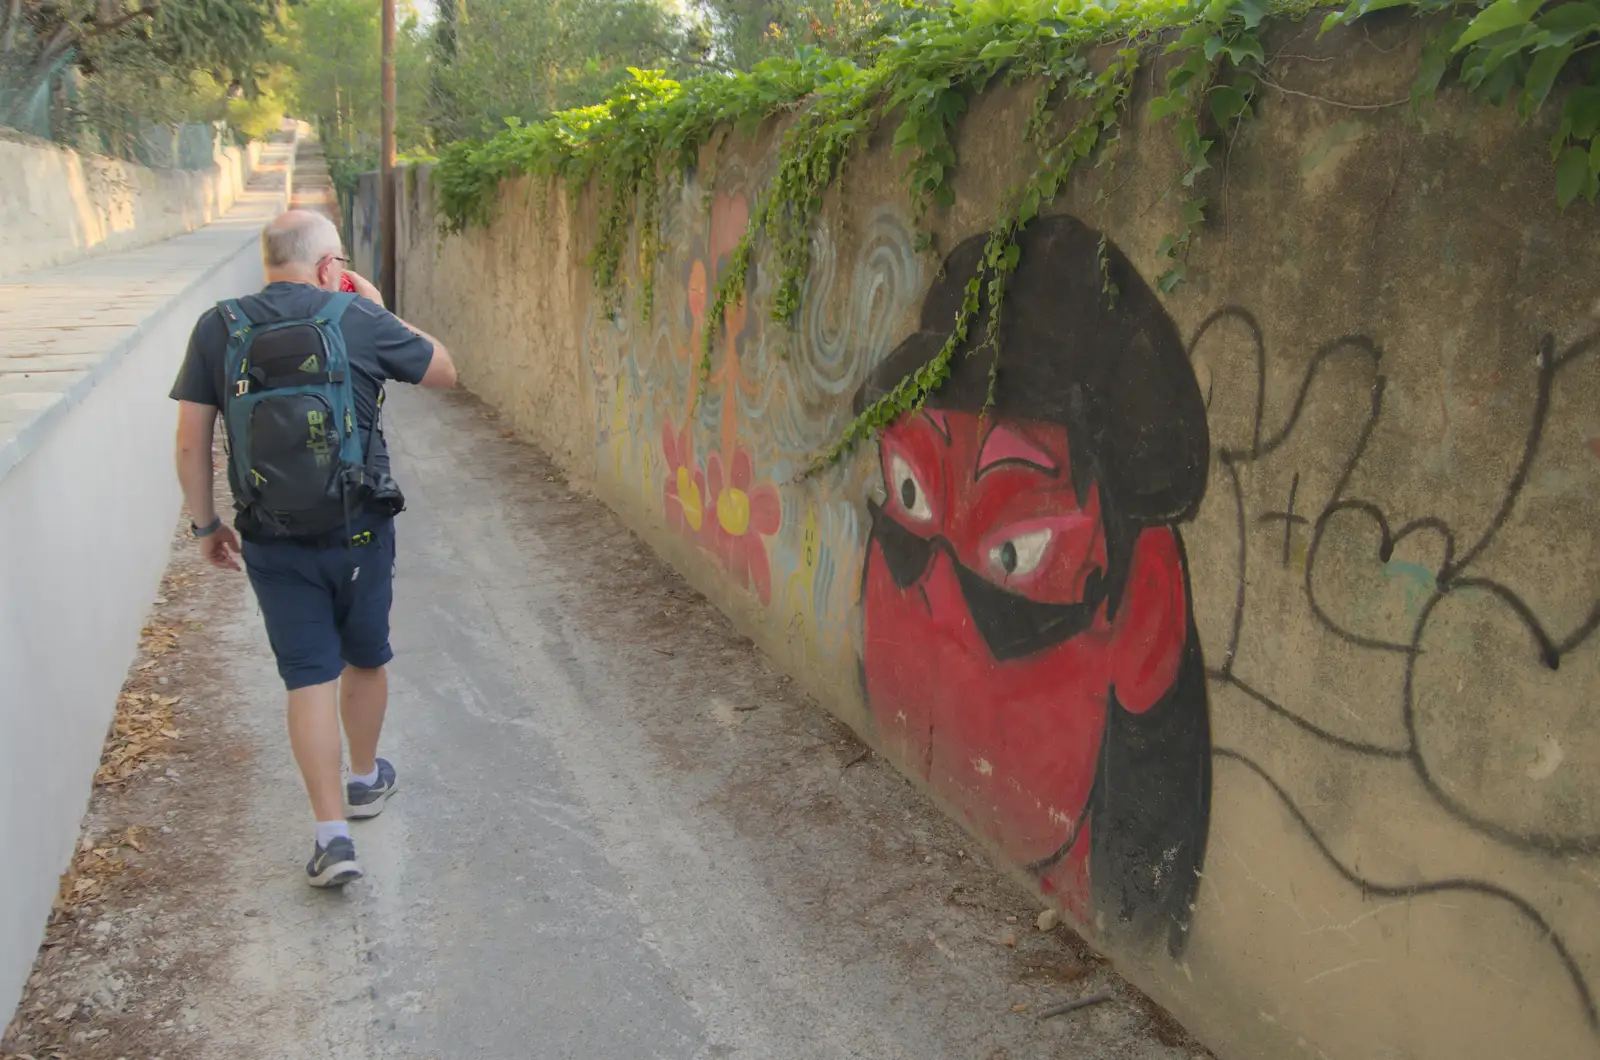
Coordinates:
(1499, 85)
(1189, 137)
(1580, 118)
(1246, 47)
(951, 106)
(1496, 18)
(1356, 10)
(1190, 38)
(1012, 256)
(1227, 103)
(1572, 173)
(1214, 46)
(1541, 75)
(1254, 11)
(1435, 61)
(1170, 279)
(1161, 106)
(1563, 24)
(1192, 67)
(1030, 206)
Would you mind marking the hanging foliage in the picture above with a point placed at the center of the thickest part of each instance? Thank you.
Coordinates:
(920, 83)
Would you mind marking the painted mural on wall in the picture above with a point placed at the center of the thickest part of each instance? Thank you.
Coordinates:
(1166, 550)
(688, 449)
(1028, 645)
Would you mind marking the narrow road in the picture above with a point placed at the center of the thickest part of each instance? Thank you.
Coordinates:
(620, 834)
(313, 187)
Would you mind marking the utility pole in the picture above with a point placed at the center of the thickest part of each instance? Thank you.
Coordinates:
(386, 177)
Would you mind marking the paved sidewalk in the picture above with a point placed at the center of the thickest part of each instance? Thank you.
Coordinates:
(48, 364)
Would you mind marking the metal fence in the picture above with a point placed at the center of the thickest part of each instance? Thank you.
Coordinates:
(27, 94)
(47, 104)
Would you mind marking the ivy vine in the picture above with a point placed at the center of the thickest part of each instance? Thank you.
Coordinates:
(650, 132)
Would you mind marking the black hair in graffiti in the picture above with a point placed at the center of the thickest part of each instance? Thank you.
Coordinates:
(1152, 804)
(1115, 372)
(1451, 576)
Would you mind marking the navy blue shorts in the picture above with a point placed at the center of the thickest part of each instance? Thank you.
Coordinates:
(325, 607)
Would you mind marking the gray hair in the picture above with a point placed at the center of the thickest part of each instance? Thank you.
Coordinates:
(298, 237)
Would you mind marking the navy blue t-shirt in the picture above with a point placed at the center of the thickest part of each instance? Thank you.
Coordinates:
(380, 349)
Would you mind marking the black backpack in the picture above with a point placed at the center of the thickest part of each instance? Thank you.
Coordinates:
(289, 410)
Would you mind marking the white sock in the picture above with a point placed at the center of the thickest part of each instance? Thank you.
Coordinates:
(328, 831)
(369, 780)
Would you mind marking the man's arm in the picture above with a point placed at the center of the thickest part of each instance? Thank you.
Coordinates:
(196, 423)
(441, 373)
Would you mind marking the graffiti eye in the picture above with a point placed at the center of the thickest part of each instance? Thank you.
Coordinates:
(908, 491)
(1020, 555)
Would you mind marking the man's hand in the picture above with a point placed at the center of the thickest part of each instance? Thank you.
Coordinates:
(364, 287)
(221, 548)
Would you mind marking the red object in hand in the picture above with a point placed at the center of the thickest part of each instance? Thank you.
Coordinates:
(345, 283)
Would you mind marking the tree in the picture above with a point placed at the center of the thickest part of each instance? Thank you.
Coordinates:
(523, 59)
(226, 40)
(330, 53)
(748, 31)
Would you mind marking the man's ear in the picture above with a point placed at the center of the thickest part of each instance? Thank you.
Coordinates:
(1148, 636)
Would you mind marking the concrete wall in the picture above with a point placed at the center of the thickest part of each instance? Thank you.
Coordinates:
(88, 500)
(1257, 626)
(58, 206)
(86, 523)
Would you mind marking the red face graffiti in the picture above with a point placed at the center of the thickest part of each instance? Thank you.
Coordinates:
(1027, 640)
(990, 658)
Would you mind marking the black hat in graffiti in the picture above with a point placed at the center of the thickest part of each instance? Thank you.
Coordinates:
(1084, 342)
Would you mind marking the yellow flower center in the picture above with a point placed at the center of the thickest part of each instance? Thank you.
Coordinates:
(733, 511)
(689, 497)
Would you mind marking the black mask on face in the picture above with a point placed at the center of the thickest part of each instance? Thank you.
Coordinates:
(1012, 625)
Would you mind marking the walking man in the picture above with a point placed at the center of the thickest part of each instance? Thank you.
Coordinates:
(296, 373)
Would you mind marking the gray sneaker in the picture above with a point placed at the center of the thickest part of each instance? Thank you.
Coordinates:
(366, 800)
(333, 865)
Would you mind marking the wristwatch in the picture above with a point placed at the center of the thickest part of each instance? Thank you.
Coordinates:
(208, 530)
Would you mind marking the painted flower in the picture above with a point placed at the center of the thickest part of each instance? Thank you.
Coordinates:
(742, 514)
(683, 489)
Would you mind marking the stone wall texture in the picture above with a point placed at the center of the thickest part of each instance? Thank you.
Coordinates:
(58, 206)
(1255, 627)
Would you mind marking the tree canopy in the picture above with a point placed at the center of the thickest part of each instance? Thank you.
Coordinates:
(162, 60)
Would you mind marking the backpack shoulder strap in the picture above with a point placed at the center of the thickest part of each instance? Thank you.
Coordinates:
(333, 310)
(235, 318)
(235, 362)
(339, 375)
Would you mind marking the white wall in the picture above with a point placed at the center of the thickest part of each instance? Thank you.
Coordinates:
(86, 519)
(57, 206)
